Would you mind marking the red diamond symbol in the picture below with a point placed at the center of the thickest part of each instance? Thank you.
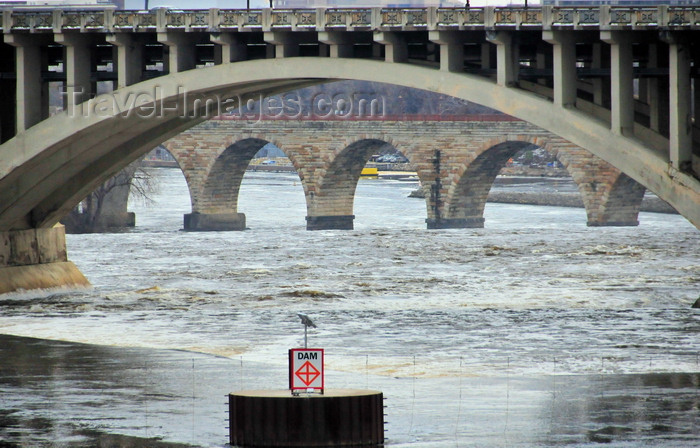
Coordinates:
(307, 373)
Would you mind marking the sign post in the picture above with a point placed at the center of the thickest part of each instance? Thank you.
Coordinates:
(306, 370)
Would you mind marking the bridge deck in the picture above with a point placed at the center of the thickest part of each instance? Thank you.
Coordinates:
(357, 19)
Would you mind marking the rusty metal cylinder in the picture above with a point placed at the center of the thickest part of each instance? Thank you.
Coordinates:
(276, 418)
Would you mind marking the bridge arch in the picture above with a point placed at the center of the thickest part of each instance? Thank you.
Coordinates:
(331, 200)
(608, 195)
(43, 182)
(466, 198)
(623, 200)
(214, 174)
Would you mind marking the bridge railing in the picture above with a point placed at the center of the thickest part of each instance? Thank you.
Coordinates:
(383, 19)
(378, 117)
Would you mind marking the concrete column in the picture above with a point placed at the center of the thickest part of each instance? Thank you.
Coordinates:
(680, 124)
(696, 89)
(340, 43)
(129, 59)
(233, 47)
(543, 59)
(78, 68)
(564, 66)
(181, 51)
(506, 60)
(597, 82)
(7, 93)
(621, 87)
(451, 50)
(286, 43)
(486, 56)
(29, 86)
(395, 47)
(652, 89)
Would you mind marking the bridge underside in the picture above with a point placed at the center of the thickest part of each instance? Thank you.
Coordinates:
(42, 182)
(50, 165)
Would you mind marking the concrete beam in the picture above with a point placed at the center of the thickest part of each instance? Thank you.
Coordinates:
(233, 46)
(564, 65)
(395, 47)
(180, 51)
(340, 42)
(451, 49)
(129, 63)
(286, 43)
(680, 118)
(29, 65)
(78, 68)
(597, 83)
(506, 57)
(621, 81)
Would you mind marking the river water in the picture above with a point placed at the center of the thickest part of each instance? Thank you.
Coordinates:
(534, 331)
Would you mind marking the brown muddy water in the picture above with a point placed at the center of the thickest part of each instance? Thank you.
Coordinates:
(534, 331)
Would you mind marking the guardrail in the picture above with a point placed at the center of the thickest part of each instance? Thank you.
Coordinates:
(349, 19)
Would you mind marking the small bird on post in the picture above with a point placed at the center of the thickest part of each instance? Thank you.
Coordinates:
(307, 323)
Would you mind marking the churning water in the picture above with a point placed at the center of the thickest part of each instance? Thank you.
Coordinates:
(534, 331)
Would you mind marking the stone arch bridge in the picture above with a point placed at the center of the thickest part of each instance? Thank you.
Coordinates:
(456, 159)
(569, 70)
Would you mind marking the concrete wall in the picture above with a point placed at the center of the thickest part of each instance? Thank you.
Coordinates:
(36, 258)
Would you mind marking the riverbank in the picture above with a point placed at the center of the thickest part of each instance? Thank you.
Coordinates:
(649, 203)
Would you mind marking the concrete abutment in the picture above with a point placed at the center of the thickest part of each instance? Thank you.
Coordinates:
(36, 258)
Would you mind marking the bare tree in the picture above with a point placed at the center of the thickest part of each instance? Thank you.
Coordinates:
(106, 206)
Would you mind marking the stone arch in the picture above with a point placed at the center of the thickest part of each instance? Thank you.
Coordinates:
(609, 196)
(216, 207)
(223, 181)
(622, 203)
(181, 157)
(82, 148)
(330, 202)
(214, 173)
(466, 197)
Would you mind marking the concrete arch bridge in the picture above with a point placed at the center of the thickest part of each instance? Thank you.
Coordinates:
(456, 159)
(615, 81)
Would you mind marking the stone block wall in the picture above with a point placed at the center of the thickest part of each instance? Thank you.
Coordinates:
(329, 156)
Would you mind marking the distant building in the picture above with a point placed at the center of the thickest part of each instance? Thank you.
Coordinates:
(289, 4)
(119, 4)
(619, 2)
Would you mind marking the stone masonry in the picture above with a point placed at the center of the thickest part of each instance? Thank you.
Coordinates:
(329, 156)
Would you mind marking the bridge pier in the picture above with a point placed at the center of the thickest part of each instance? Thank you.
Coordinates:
(36, 258)
(633, 223)
(214, 222)
(454, 223)
(336, 222)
